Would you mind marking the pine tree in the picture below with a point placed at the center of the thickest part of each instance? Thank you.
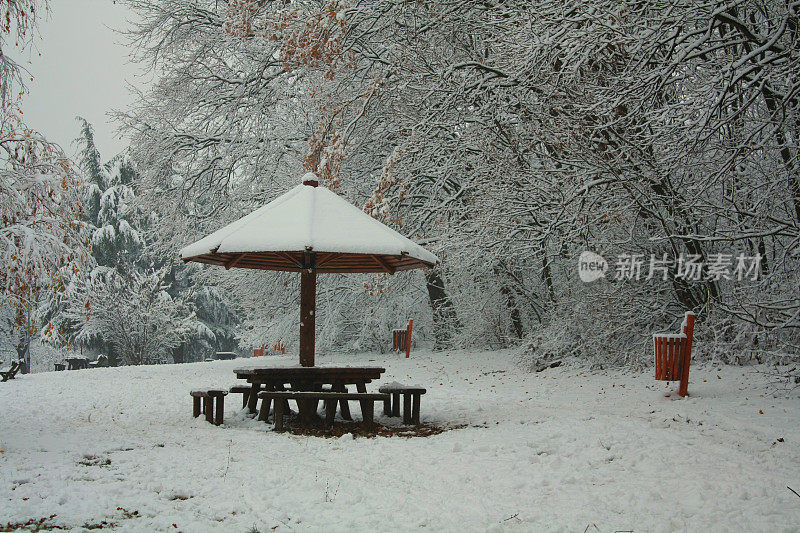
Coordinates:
(119, 228)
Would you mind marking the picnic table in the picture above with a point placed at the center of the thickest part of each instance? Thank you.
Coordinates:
(311, 379)
(76, 363)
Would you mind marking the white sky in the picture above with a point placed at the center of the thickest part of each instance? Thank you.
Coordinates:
(84, 70)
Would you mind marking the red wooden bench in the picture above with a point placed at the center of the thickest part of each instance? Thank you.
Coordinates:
(277, 348)
(673, 354)
(401, 339)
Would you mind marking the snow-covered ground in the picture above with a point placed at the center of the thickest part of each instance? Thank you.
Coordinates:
(566, 449)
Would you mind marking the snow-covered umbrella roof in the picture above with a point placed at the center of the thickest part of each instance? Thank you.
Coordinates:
(305, 219)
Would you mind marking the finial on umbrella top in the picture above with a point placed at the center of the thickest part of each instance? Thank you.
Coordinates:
(309, 178)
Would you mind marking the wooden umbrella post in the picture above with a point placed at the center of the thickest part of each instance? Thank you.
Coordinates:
(308, 308)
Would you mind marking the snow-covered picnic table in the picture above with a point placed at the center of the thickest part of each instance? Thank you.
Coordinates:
(76, 363)
(313, 379)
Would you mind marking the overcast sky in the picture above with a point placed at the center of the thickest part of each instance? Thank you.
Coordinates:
(83, 70)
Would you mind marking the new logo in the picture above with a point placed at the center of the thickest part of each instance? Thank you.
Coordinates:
(591, 266)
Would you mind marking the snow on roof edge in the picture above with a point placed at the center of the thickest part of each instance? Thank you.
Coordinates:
(245, 235)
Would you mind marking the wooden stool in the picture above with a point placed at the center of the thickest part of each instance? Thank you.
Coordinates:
(411, 399)
(208, 397)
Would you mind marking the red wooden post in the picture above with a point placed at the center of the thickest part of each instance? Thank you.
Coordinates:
(656, 352)
(408, 337)
(688, 330)
(308, 310)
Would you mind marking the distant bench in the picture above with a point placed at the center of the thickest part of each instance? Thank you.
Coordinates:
(16, 366)
(76, 363)
(101, 362)
(331, 399)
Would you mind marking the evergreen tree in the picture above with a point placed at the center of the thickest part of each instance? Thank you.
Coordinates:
(119, 228)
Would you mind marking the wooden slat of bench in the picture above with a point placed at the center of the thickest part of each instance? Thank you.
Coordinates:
(310, 395)
(322, 370)
(389, 389)
(347, 378)
(207, 393)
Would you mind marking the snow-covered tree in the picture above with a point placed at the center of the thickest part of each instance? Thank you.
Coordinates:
(131, 311)
(508, 137)
(212, 307)
(42, 242)
(114, 220)
(119, 225)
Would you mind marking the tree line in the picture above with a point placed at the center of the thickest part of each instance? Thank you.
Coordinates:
(508, 137)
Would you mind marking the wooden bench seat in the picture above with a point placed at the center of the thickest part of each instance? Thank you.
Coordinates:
(101, 362)
(411, 398)
(344, 407)
(401, 339)
(244, 390)
(11, 372)
(209, 397)
(367, 401)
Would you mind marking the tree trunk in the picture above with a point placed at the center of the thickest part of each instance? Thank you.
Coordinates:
(771, 99)
(516, 319)
(24, 350)
(108, 350)
(511, 301)
(547, 276)
(445, 320)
